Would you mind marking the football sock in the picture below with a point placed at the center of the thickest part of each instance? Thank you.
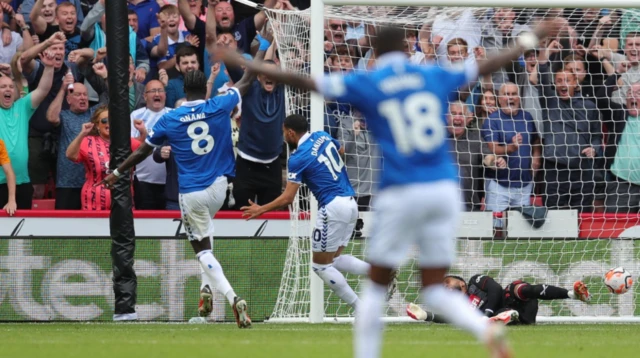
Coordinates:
(367, 334)
(351, 264)
(213, 270)
(455, 309)
(336, 282)
(204, 279)
(542, 292)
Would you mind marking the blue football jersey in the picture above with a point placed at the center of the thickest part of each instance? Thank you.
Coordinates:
(199, 133)
(405, 107)
(318, 164)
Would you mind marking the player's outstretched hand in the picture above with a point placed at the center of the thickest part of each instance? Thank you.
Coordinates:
(108, 181)
(252, 211)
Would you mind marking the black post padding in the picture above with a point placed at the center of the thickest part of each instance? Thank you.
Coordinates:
(121, 220)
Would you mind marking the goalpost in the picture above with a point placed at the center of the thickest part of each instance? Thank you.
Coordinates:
(558, 253)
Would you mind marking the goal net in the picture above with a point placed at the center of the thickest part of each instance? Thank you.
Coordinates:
(573, 94)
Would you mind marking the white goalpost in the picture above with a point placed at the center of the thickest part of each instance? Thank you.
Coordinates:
(571, 245)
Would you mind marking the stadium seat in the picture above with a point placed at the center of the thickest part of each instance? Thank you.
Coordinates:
(44, 204)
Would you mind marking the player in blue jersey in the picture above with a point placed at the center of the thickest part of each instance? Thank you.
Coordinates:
(316, 161)
(418, 203)
(199, 133)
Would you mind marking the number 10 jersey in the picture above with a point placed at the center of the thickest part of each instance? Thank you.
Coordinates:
(318, 164)
(199, 133)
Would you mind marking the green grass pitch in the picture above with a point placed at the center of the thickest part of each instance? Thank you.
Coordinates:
(110, 340)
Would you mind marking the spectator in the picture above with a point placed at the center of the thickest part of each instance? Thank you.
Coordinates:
(498, 34)
(42, 158)
(258, 165)
(242, 34)
(97, 76)
(456, 24)
(335, 31)
(132, 17)
(165, 45)
(468, 150)
(14, 128)
(146, 10)
(511, 136)
(186, 60)
(8, 194)
(91, 148)
(244, 31)
(572, 138)
(70, 176)
(486, 106)
(632, 75)
(359, 157)
(95, 35)
(66, 21)
(150, 177)
(623, 192)
(526, 77)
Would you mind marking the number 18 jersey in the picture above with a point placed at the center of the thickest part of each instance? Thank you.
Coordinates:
(199, 133)
(318, 164)
(405, 107)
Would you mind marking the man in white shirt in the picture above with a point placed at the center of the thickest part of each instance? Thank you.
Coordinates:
(150, 176)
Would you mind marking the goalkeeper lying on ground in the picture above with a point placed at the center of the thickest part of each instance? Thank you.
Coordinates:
(516, 303)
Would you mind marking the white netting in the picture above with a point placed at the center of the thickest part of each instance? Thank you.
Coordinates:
(574, 88)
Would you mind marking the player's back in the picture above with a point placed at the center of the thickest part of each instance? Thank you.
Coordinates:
(199, 133)
(317, 163)
(405, 108)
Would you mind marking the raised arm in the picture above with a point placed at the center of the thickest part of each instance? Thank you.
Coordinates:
(38, 22)
(215, 70)
(161, 49)
(53, 112)
(44, 86)
(248, 77)
(210, 28)
(28, 57)
(261, 18)
(87, 28)
(188, 17)
(73, 150)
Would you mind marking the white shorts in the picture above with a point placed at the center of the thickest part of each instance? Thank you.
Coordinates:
(419, 215)
(199, 207)
(335, 224)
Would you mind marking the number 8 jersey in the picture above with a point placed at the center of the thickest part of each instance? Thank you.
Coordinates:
(405, 107)
(199, 133)
(318, 164)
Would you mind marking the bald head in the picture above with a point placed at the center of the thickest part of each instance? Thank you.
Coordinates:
(155, 96)
(78, 98)
(509, 98)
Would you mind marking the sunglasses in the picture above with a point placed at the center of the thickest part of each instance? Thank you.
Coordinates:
(336, 26)
(104, 120)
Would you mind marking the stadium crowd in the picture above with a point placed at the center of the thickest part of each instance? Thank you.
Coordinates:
(562, 123)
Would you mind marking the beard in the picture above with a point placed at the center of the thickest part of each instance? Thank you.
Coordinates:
(292, 146)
